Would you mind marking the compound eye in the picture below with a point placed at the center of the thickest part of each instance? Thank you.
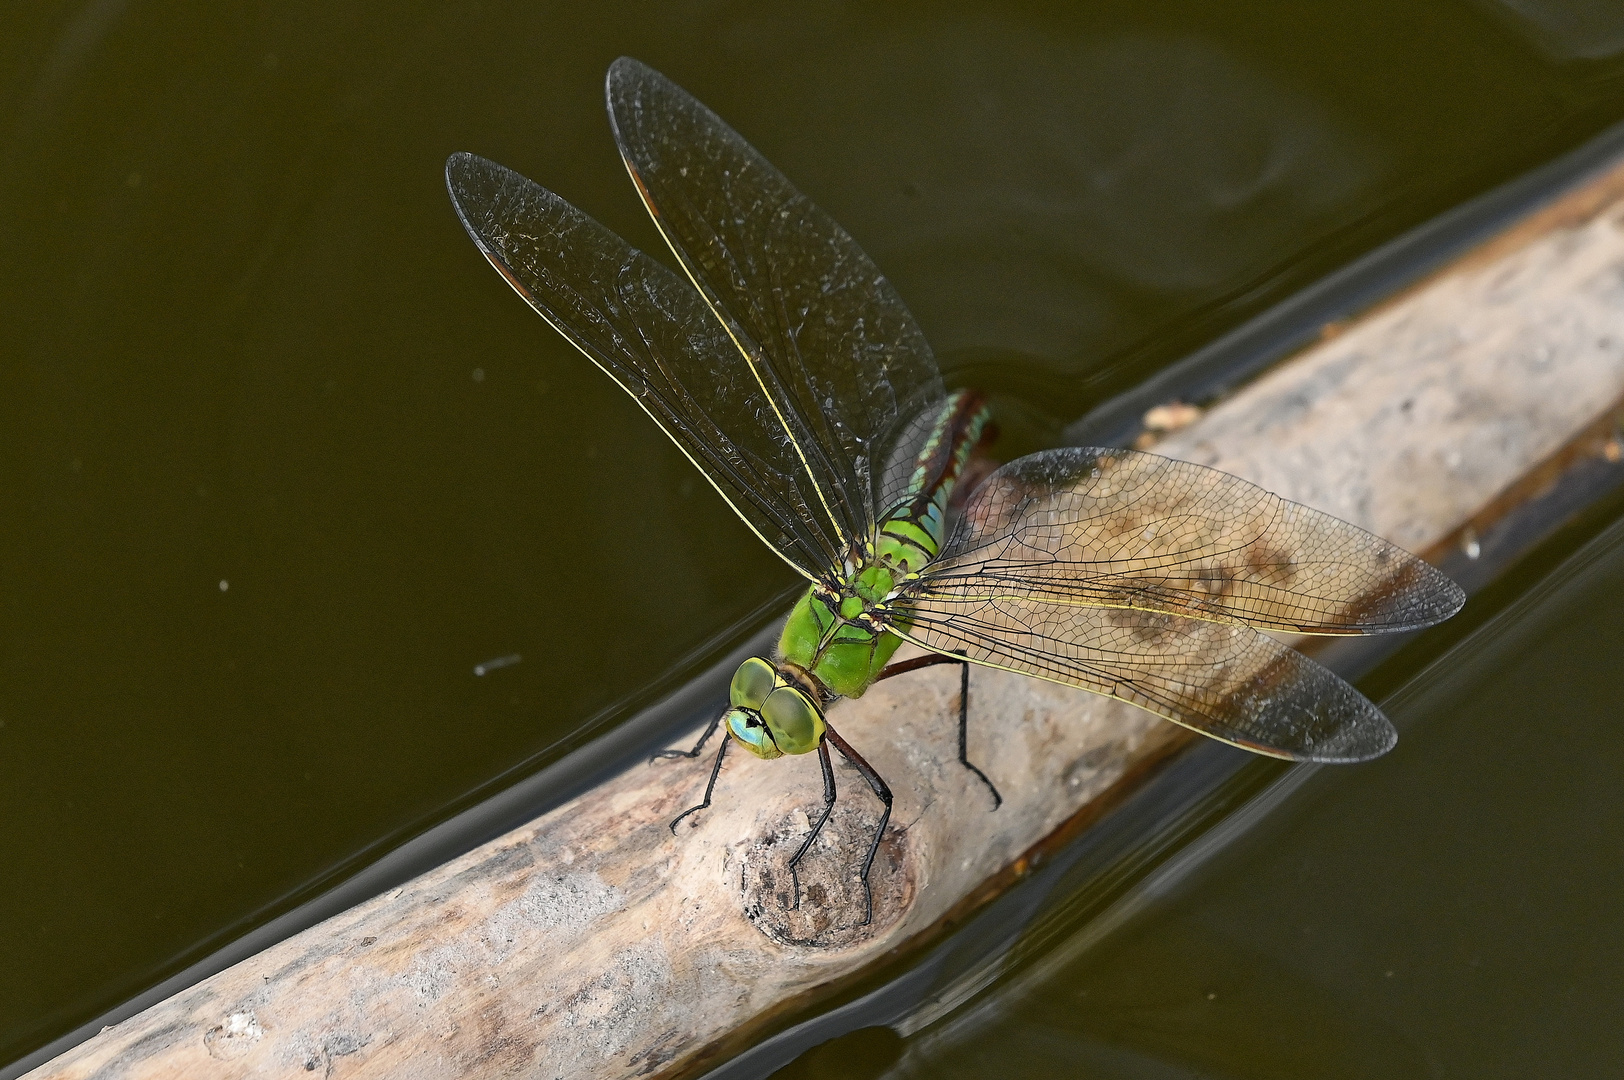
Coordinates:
(746, 726)
(796, 724)
(752, 683)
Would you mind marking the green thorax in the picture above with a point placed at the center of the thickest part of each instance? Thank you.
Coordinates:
(837, 631)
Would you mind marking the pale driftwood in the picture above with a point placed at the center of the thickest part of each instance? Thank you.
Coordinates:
(593, 943)
(1412, 420)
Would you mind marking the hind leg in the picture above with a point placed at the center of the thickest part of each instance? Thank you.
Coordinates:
(964, 733)
(964, 707)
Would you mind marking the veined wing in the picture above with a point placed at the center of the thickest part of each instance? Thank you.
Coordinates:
(652, 333)
(833, 345)
(1119, 528)
(1224, 680)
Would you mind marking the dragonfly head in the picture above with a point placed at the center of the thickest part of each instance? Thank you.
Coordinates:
(771, 716)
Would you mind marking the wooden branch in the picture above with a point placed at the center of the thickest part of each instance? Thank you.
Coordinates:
(594, 943)
(1414, 418)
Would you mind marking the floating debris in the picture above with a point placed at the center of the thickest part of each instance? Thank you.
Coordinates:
(500, 662)
(1165, 419)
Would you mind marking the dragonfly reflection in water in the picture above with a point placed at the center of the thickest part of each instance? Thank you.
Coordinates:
(790, 373)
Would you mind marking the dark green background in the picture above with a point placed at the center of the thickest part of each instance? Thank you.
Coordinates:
(243, 340)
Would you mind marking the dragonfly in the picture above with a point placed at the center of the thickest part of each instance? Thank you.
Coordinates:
(789, 371)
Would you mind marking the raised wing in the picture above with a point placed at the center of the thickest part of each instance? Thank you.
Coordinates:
(825, 334)
(653, 334)
(1119, 528)
(1224, 680)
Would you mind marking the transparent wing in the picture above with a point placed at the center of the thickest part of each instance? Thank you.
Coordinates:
(1119, 528)
(653, 334)
(1224, 680)
(831, 342)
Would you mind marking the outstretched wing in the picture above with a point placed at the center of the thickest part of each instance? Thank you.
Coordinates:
(1224, 680)
(650, 332)
(826, 336)
(1124, 529)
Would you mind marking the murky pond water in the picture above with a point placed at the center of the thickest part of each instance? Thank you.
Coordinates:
(283, 463)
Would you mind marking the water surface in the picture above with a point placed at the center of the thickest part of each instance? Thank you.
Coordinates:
(283, 462)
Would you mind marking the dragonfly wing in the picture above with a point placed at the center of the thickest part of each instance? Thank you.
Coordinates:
(833, 345)
(1224, 680)
(649, 331)
(1120, 528)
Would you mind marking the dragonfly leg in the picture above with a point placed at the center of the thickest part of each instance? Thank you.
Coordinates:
(902, 667)
(828, 808)
(964, 706)
(964, 732)
(884, 793)
(698, 746)
(716, 771)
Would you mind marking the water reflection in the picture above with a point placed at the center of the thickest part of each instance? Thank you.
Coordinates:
(1048, 179)
(1567, 29)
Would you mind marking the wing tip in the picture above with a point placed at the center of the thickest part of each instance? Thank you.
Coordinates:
(624, 66)
(1365, 738)
(464, 174)
(1431, 598)
(1355, 729)
(1365, 742)
(1454, 596)
(463, 163)
(623, 73)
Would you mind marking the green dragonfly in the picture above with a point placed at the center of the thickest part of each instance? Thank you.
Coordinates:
(788, 370)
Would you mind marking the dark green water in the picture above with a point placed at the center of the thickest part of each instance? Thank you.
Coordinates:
(281, 460)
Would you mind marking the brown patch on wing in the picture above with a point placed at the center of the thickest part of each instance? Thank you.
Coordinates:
(1119, 527)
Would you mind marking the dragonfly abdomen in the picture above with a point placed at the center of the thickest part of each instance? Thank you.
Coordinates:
(910, 535)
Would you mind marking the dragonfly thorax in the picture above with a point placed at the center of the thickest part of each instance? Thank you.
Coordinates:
(838, 633)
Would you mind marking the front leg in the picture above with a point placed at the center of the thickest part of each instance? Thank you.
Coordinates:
(716, 771)
(698, 746)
